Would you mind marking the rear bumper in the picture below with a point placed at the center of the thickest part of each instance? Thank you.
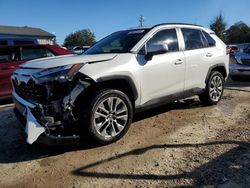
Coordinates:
(239, 70)
(20, 110)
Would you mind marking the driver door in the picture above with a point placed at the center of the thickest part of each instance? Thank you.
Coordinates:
(163, 75)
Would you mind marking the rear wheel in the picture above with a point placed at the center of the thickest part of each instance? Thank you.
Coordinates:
(214, 89)
(109, 116)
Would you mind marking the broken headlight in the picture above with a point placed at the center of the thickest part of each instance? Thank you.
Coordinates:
(61, 74)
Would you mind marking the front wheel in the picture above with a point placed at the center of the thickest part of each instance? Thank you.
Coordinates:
(109, 116)
(214, 89)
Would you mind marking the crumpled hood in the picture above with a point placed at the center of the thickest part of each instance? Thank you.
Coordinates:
(57, 61)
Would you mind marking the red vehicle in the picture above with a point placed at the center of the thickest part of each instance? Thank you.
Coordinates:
(12, 56)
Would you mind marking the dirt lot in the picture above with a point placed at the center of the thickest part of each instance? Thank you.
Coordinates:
(179, 145)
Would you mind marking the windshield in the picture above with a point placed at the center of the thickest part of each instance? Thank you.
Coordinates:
(118, 42)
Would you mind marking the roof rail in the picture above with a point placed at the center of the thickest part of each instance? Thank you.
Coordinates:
(176, 24)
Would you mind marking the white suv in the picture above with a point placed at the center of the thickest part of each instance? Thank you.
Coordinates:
(128, 71)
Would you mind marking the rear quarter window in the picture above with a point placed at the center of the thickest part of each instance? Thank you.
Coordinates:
(210, 41)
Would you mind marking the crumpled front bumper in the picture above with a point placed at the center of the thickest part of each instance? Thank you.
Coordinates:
(34, 130)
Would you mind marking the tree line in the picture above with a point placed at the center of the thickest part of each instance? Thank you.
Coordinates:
(237, 33)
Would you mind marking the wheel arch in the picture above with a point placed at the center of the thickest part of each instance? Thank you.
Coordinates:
(218, 67)
(120, 82)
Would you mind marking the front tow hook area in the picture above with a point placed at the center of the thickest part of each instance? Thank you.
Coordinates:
(50, 139)
(58, 140)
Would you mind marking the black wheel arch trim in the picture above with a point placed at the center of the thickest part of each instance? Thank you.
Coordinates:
(120, 77)
(213, 67)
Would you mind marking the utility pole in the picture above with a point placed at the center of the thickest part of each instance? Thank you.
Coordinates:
(141, 20)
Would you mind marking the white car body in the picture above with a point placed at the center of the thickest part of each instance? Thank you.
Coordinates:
(153, 81)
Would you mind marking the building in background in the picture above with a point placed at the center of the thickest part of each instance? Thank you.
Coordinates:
(11, 35)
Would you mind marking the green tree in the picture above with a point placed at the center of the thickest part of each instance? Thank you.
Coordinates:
(219, 27)
(238, 33)
(82, 37)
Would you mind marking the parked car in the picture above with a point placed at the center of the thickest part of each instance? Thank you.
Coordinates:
(17, 41)
(127, 72)
(11, 57)
(240, 66)
(79, 49)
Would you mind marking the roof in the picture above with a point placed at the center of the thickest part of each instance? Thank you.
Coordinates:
(164, 24)
(25, 31)
(187, 24)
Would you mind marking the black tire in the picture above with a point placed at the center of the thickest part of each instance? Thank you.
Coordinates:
(206, 97)
(90, 116)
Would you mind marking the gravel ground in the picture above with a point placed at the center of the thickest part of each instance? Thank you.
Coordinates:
(178, 145)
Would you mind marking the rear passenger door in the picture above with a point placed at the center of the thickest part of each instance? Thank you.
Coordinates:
(198, 55)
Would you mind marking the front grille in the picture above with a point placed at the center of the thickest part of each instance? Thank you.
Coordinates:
(31, 91)
(245, 61)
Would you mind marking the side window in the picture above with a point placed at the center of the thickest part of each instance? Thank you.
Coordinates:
(193, 39)
(33, 53)
(168, 37)
(7, 55)
(211, 42)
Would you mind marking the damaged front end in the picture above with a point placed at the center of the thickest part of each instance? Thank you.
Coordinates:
(46, 98)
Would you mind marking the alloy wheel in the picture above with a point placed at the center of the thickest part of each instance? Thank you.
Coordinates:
(110, 117)
(216, 88)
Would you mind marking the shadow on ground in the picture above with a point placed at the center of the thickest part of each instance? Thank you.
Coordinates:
(13, 147)
(230, 165)
(238, 84)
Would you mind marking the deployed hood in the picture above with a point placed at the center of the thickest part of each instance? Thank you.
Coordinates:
(57, 61)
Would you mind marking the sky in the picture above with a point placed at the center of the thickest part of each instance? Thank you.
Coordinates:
(103, 17)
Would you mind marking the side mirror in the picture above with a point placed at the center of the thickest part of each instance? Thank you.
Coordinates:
(156, 49)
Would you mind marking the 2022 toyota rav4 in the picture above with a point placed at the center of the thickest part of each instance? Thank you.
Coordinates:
(128, 71)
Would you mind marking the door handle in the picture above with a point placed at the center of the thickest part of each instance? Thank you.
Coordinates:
(178, 62)
(209, 54)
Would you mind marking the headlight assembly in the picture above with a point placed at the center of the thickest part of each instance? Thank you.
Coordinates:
(62, 73)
